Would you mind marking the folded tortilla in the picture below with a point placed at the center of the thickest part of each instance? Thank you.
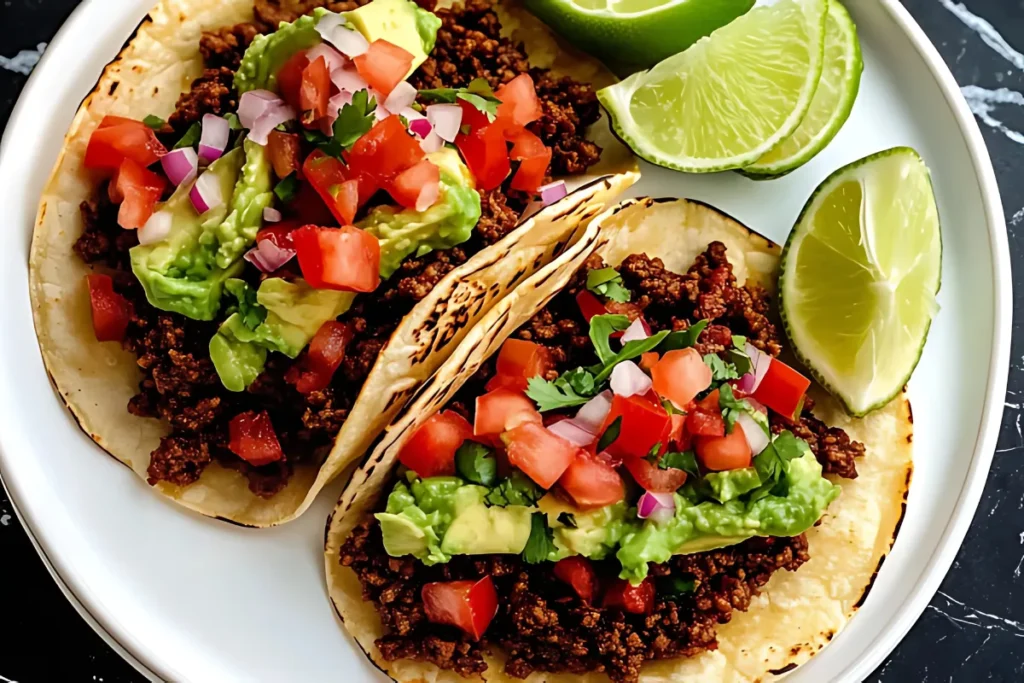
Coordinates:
(97, 380)
(797, 613)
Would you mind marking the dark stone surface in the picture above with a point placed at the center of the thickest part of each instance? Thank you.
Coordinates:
(972, 631)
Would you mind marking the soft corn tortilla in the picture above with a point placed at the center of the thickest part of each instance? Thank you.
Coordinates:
(799, 612)
(97, 380)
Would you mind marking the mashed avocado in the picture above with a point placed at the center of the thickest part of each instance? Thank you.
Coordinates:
(268, 53)
(185, 273)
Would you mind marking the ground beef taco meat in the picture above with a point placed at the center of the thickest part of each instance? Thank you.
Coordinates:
(180, 385)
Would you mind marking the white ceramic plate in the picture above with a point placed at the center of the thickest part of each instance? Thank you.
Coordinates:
(195, 599)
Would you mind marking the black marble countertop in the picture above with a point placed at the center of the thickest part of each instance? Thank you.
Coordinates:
(974, 628)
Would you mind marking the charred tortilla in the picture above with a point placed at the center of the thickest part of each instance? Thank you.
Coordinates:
(798, 612)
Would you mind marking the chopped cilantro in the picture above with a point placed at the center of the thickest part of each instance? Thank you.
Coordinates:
(541, 543)
(251, 311)
(475, 463)
(685, 461)
(608, 283)
(739, 341)
(355, 119)
(610, 434)
(674, 587)
(683, 339)
(573, 388)
(191, 136)
(770, 465)
(720, 369)
(478, 94)
(731, 406)
(568, 519)
(516, 489)
(154, 122)
(601, 329)
(287, 188)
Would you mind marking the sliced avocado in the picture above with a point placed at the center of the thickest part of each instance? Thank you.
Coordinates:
(401, 23)
(596, 533)
(268, 53)
(402, 536)
(482, 530)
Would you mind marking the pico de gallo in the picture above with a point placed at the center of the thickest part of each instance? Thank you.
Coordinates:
(636, 452)
(262, 242)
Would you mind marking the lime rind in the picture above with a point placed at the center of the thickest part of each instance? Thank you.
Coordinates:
(842, 51)
(738, 129)
(862, 392)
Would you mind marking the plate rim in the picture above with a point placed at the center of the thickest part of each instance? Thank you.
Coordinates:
(143, 658)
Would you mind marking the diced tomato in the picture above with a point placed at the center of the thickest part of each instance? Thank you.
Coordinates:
(783, 389)
(518, 361)
(313, 372)
(467, 605)
(486, 154)
(652, 477)
(579, 573)
(285, 153)
(621, 594)
(590, 305)
(418, 186)
(118, 139)
(383, 65)
(137, 189)
(289, 79)
(385, 151)
(279, 233)
(519, 100)
(727, 452)
(592, 483)
(680, 375)
(543, 456)
(253, 438)
(644, 424)
(649, 360)
(314, 92)
(705, 417)
(497, 410)
(534, 158)
(111, 312)
(680, 437)
(344, 258)
(473, 117)
(328, 175)
(430, 451)
(307, 206)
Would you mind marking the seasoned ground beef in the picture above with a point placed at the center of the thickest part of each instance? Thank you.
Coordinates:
(224, 47)
(270, 13)
(833, 447)
(211, 93)
(544, 626)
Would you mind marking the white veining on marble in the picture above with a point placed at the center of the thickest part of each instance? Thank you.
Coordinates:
(975, 618)
(24, 61)
(983, 102)
(1017, 217)
(986, 32)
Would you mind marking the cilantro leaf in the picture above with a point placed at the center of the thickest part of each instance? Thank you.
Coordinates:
(355, 119)
(251, 312)
(516, 489)
(287, 188)
(608, 283)
(154, 122)
(720, 370)
(478, 94)
(683, 339)
(559, 394)
(475, 463)
(739, 341)
(610, 434)
(629, 351)
(191, 136)
(685, 461)
(770, 465)
(541, 543)
(731, 406)
(568, 519)
(675, 587)
(601, 329)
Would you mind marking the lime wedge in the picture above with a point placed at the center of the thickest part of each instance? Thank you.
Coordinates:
(629, 35)
(731, 97)
(860, 272)
(833, 100)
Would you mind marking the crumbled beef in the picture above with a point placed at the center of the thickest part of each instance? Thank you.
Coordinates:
(270, 13)
(499, 215)
(211, 93)
(102, 239)
(543, 626)
(179, 460)
(225, 47)
(569, 108)
(832, 446)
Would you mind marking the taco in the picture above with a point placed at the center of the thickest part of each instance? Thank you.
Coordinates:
(615, 476)
(194, 214)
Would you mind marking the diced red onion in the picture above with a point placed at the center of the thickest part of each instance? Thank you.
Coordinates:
(272, 215)
(268, 257)
(446, 120)
(400, 97)
(328, 22)
(156, 228)
(757, 439)
(591, 416)
(657, 506)
(635, 332)
(214, 139)
(759, 361)
(351, 43)
(261, 115)
(428, 196)
(629, 380)
(756, 405)
(254, 104)
(205, 194)
(746, 383)
(420, 128)
(573, 433)
(552, 192)
(333, 58)
(348, 80)
(180, 165)
(432, 143)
